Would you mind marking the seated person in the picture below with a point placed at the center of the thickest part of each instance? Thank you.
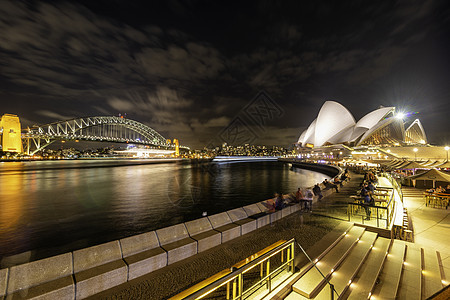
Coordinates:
(317, 191)
(279, 202)
(336, 181)
(447, 190)
(329, 185)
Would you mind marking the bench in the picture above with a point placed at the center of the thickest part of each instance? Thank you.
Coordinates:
(255, 212)
(3, 282)
(98, 268)
(286, 211)
(49, 278)
(222, 223)
(295, 207)
(142, 254)
(176, 241)
(202, 231)
(239, 216)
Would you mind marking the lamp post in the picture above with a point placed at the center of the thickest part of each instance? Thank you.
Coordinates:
(415, 153)
(446, 149)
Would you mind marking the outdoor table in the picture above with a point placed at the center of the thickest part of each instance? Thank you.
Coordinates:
(437, 199)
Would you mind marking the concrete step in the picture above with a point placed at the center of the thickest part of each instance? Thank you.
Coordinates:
(367, 276)
(294, 296)
(411, 282)
(431, 278)
(344, 274)
(389, 279)
(311, 282)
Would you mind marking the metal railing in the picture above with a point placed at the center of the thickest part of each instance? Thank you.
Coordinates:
(314, 264)
(257, 275)
(394, 183)
(383, 214)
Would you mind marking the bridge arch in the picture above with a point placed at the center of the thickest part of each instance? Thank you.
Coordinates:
(102, 128)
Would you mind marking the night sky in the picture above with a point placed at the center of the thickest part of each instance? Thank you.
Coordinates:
(189, 68)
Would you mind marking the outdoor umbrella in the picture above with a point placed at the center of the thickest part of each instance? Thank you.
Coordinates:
(434, 164)
(445, 165)
(411, 165)
(426, 162)
(399, 163)
(432, 174)
(390, 163)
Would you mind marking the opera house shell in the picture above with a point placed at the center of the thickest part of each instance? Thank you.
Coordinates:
(336, 125)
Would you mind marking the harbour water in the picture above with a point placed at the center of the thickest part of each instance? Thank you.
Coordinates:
(52, 207)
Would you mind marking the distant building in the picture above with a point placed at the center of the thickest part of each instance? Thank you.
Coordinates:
(335, 125)
(10, 134)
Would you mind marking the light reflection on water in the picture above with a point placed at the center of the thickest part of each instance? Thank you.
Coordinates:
(55, 207)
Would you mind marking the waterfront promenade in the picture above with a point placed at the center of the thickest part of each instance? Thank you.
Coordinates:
(314, 232)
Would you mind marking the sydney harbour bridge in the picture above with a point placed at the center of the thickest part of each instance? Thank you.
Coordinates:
(99, 129)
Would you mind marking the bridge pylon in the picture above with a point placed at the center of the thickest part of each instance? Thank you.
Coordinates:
(10, 133)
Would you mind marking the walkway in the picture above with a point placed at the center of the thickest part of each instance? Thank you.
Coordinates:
(314, 232)
(431, 225)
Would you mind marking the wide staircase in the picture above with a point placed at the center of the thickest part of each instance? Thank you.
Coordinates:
(412, 192)
(335, 206)
(362, 265)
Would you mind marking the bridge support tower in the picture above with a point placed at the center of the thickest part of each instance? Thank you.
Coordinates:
(10, 134)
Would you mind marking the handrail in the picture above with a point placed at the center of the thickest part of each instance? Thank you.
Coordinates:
(333, 290)
(389, 212)
(234, 275)
(389, 208)
(394, 184)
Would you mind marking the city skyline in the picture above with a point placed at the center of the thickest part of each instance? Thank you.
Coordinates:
(188, 69)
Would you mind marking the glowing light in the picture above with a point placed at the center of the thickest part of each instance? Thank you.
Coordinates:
(400, 116)
(415, 149)
(446, 148)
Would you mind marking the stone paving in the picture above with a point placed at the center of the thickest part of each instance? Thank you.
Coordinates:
(431, 225)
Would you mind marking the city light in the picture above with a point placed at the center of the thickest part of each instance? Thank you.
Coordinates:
(415, 153)
(446, 149)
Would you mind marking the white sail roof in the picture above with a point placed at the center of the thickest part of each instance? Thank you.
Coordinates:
(333, 117)
(336, 125)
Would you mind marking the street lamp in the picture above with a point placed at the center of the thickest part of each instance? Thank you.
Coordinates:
(415, 153)
(446, 149)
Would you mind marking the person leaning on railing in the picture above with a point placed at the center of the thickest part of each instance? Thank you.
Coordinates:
(365, 194)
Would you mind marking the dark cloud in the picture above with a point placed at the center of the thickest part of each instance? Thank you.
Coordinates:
(188, 68)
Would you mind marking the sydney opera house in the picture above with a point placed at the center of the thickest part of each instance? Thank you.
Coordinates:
(335, 125)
